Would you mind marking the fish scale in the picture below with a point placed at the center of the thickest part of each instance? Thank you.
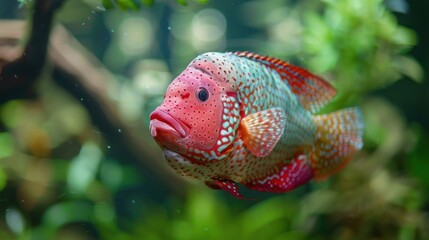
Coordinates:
(256, 125)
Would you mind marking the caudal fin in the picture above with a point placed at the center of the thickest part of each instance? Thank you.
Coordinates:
(338, 137)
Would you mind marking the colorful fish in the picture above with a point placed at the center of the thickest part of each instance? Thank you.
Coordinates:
(243, 118)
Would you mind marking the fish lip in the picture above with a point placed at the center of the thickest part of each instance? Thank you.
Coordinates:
(167, 122)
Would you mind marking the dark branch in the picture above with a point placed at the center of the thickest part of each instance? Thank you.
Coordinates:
(18, 76)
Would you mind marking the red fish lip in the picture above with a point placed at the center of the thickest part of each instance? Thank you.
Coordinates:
(159, 119)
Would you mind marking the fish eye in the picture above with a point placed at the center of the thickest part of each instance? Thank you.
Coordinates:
(202, 94)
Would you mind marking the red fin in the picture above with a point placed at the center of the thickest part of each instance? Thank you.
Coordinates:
(338, 137)
(262, 130)
(229, 186)
(212, 185)
(289, 177)
(313, 91)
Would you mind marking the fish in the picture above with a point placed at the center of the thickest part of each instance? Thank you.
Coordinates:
(239, 118)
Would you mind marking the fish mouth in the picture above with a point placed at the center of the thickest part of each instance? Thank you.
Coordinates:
(163, 121)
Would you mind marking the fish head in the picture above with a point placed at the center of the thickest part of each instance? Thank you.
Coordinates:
(192, 116)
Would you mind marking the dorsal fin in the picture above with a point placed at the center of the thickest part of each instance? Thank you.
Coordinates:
(313, 91)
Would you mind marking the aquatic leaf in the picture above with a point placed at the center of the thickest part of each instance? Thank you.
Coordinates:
(15, 220)
(147, 2)
(3, 178)
(182, 2)
(202, 1)
(12, 113)
(404, 37)
(127, 4)
(65, 212)
(84, 167)
(6, 145)
(108, 4)
(409, 67)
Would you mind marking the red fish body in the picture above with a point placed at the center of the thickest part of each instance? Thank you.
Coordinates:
(244, 118)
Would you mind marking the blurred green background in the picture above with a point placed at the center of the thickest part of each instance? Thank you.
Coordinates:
(63, 177)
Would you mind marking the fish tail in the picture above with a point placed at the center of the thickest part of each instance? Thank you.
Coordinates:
(338, 137)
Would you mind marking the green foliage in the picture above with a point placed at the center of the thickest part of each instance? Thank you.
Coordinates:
(134, 4)
(360, 39)
(25, 3)
(127, 5)
(6, 145)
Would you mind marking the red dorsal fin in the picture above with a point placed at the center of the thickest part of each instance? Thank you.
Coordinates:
(313, 91)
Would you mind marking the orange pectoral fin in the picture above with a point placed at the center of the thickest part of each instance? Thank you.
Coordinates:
(262, 130)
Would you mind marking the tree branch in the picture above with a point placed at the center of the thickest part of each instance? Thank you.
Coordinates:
(17, 77)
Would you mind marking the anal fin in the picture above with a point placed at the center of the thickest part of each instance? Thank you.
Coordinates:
(227, 185)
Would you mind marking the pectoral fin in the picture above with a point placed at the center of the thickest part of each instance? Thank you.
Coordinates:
(262, 130)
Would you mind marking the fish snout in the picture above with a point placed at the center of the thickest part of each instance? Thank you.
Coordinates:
(163, 123)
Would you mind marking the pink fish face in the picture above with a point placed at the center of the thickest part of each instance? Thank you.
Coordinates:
(190, 117)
